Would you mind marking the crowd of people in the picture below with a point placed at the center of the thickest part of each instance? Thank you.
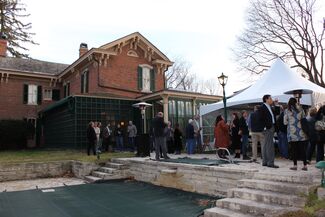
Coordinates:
(166, 139)
(100, 138)
(298, 133)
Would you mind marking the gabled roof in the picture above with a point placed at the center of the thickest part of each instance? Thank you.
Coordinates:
(31, 66)
(136, 36)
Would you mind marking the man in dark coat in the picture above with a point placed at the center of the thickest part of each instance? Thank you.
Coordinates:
(158, 126)
(91, 136)
(257, 130)
(268, 117)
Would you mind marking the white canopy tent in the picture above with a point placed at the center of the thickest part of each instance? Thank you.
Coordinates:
(276, 81)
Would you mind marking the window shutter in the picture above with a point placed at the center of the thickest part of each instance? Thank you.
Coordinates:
(39, 95)
(82, 83)
(139, 78)
(25, 94)
(68, 89)
(55, 95)
(87, 81)
(64, 90)
(152, 80)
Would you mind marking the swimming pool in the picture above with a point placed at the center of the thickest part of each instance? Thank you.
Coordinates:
(121, 198)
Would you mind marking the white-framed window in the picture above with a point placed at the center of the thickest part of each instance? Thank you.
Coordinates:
(146, 78)
(32, 94)
(47, 94)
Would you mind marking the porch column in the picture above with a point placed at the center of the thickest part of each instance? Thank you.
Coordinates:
(165, 105)
(194, 107)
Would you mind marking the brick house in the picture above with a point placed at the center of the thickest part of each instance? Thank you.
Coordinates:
(101, 85)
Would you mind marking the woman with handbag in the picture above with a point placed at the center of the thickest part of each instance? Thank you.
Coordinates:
(297, 138)
(320, 128)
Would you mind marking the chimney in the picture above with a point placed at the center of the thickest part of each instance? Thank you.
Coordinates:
(83, 49)
(3, 45)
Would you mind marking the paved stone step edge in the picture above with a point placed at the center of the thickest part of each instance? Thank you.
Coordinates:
(116, 165)
(248, 206)
(219, 212)
(282, 187)
(92, 179)
(101, 174)
(288, 177)
(107, 170)
(266, 197)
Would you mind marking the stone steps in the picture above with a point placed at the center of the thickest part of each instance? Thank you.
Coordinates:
(116, 165)
(92, 179)
(219, 212)
(282, 187)
(108, 170)
(288, 177)
(267, 197)
(248, 207)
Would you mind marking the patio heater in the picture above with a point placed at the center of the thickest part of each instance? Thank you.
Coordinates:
(298, 93)
(143, 140)
(223, 81)
(142, 106)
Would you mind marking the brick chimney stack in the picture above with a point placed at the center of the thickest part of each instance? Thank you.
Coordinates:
(83, 49)
(3, 45)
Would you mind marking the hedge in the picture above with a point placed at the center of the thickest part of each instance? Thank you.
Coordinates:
(13, 134)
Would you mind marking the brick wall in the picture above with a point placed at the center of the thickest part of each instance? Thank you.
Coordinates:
(11, 98)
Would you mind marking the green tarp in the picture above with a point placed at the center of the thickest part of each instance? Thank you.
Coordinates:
(112, 199)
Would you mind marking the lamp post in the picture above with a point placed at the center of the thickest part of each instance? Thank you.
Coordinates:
(223, 81)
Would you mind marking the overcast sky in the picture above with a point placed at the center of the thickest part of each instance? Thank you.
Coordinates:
(202, 32)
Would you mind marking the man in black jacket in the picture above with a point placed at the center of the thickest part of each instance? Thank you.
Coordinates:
(91, 136)
(256, 128)
(268, 117)
(159, 126)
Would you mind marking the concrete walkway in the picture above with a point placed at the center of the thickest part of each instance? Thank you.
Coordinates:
(22, 185)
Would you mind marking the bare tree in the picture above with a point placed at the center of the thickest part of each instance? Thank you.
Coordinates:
(211, 86)
(13, 28)
(286, 29)
(176, 75)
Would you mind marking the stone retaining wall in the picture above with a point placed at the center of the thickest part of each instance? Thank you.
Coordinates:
(211, 180)
(25, 171)
(82, 169)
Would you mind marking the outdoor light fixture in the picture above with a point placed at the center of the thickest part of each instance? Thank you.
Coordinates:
(223, 81)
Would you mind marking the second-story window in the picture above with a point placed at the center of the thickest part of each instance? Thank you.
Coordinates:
(146, 78)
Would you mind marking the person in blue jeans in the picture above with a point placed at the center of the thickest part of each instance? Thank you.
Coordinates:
(119, 138)
(244, 132)
(282, 137)
(190, 140)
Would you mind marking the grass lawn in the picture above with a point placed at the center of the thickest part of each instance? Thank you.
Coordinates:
(40, 155)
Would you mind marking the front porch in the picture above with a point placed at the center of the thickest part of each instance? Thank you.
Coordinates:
(177, 106)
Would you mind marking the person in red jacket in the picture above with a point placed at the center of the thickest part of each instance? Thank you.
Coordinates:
(221, 135)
